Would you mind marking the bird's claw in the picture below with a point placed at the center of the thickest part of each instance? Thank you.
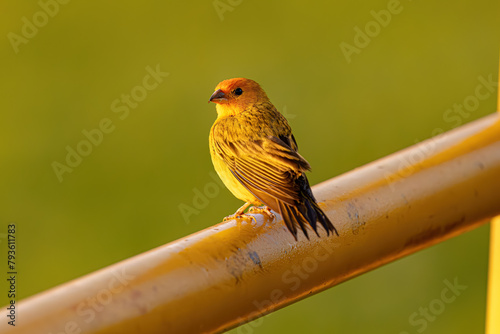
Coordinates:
(242, 216)
(265, 210)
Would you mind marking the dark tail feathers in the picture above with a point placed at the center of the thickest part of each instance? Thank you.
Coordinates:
(305, 211)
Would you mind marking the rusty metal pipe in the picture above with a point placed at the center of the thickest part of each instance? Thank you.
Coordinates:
(236, 271)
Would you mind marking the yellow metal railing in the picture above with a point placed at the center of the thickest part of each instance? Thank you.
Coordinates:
(236, 271)
(493, 310)
(493, 306)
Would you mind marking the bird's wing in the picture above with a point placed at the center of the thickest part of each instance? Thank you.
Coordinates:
(267, 167)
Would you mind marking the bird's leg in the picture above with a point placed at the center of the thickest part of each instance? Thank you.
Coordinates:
(242, 209)
(265, 210)
(240, 213)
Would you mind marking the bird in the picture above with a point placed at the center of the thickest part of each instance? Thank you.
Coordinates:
(256, 156)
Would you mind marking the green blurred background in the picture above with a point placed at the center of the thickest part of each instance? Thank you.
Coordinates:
(124, 197)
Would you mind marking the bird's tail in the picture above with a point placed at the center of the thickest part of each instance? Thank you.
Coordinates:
(305, 211)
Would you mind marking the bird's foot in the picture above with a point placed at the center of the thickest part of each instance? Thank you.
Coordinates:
(264, 210)
(241, 216)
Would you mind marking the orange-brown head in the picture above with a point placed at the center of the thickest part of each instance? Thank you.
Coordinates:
(233, 96)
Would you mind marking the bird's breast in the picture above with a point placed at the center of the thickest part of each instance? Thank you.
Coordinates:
(222, 169)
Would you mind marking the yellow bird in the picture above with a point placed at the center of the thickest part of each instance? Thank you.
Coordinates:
(255, 154)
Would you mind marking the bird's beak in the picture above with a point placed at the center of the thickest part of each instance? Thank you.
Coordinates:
(218, 96)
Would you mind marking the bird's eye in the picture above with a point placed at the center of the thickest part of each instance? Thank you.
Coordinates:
(238, 91)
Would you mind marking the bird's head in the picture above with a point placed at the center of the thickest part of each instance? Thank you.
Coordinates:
(233, 96)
